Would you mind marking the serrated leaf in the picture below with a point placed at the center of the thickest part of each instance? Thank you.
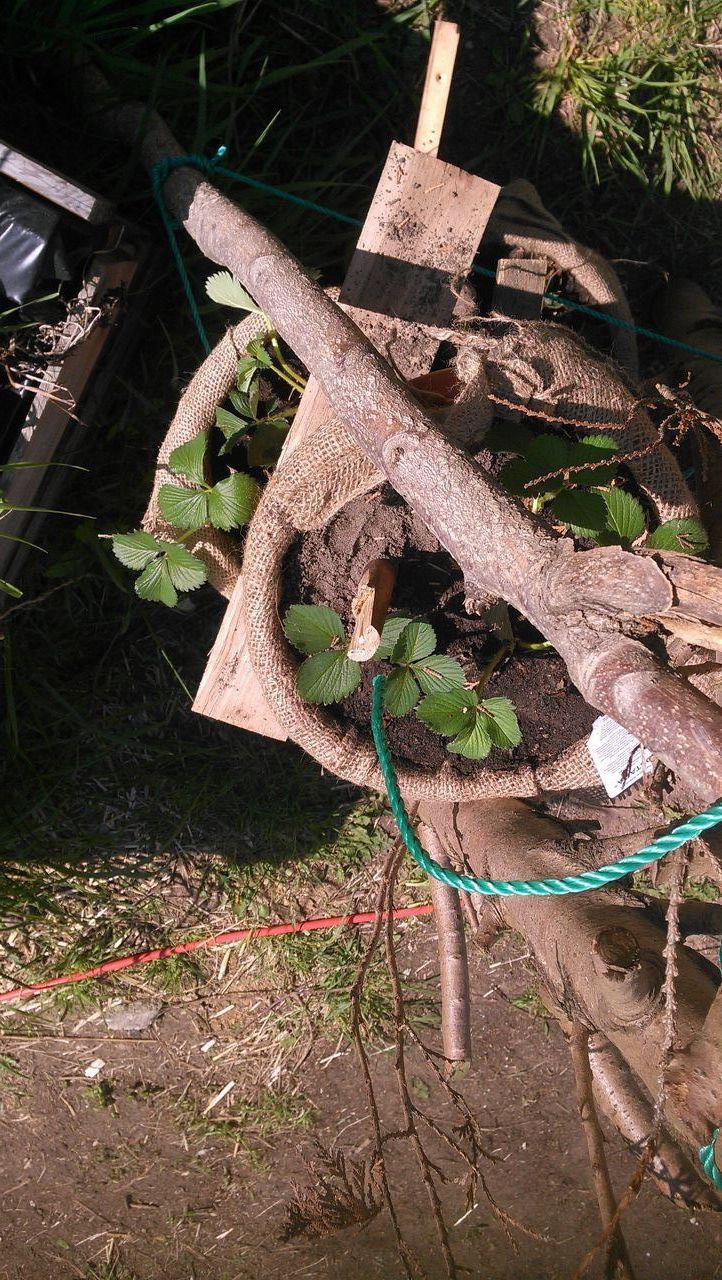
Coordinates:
(245, 373)
(502, 724)
(136, 550)
(416, 641)
(241, 403)
(187, 460)
(474, 742)
(594, 448)
(401, 693)
(508, 437)
(438, 673)
(392, 629)
(684, 535)
(257, 351)
(230, 423)
(547, 453)
(447, 713)
(266, 443)
(584, 511)
(155, 583)
(312, 628)
(327, 677)
(187, 572)
(518, 477)
(185, 508)
(224, 289)
(625, 515)
(232, 501)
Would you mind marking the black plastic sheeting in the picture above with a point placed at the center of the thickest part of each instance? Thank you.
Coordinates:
(31, 245)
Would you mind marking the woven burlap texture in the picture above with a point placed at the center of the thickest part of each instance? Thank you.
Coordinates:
(208, 388)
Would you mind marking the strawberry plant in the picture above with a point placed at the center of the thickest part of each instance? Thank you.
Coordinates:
(574, 481)
(449, 708)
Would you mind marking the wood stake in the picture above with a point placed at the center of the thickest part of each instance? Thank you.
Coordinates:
(369, 607)
(439, 70)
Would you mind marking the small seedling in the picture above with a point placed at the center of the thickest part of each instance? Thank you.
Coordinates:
(574, 481)
(409, 646)
(167, 567)
(475, 724)
(449, 708)
(264, 432)
(328, 674)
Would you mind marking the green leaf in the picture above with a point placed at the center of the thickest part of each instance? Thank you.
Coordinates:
(230, 423)
(155, 583)
(518, 477)
(136, 550)
(327, 677)
(593, 448)
(266, 443)
(187, 572)
(625, 515)
(401, 693)
(502, 724)
(438, 673)
(185, 508)
(684, 535)
(257, 351)
(224, 289)
(311, 628)
(547, 453)
(474, 741)
(416, 641)
(10, 589)
(187, 460)
(245, 373)
(232, 501)
(392, 629)
(241, 403)
(448, 712)
(584, 511)
(508, 437)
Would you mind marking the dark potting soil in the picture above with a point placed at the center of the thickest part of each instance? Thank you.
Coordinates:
(324, 567)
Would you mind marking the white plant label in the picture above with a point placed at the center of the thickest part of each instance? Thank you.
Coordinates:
(619, 757)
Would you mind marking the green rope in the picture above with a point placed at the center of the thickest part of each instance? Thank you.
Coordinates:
(566, 884)
(709, 1164)
(163, 168)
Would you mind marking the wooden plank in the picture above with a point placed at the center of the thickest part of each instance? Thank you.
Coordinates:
(54, 186)
(415, 249)
(438, 248)
(518, 295)
(439, 70)
(52, 410)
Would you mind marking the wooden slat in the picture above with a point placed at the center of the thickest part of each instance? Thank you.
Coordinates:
(52, 411)
(518, 294)
(422, 230)
(415, 249)
(439, 70)
(54, 186)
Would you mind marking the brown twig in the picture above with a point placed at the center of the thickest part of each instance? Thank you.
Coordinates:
(403, 1089)
(618, 1264)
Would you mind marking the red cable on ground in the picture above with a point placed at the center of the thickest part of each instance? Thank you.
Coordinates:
(217, 940)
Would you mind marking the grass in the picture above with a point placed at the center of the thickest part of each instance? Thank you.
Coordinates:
(639, 82)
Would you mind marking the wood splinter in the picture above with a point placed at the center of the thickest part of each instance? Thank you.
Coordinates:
(369, 608)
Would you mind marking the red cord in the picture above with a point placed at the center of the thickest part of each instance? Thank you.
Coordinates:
(217, 940)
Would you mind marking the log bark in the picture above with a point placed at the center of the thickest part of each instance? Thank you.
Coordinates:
(498, 545)
(600, 954)
(453, 962)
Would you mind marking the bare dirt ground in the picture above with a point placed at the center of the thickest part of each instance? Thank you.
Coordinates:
(125, 1167)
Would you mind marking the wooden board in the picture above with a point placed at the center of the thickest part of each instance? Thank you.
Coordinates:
(53, 410)
(53, 186)
(414, 251)
(518, 293)
(439, 70)
(422, 232)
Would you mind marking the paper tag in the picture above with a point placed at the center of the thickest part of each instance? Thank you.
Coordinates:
(619, 757)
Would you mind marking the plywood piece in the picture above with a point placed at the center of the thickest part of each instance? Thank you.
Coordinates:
(54, 186)
(415, 250)
(439, 70)
(417, 245)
